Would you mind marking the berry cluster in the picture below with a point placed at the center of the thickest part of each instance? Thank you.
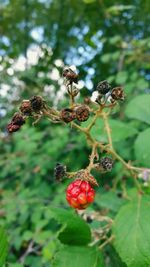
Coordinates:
(28, 108)
(34, 105)
(81, 113)
(80, 194)
(115, 94)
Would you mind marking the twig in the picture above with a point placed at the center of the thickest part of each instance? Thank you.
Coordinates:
(27, 252)
(106, 242)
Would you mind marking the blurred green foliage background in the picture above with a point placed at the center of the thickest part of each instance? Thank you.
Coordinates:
(105, 40)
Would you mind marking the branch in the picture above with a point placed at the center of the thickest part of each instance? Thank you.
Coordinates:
(109, 147)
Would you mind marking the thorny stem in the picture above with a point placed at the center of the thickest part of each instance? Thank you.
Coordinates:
(109, 147)
(97, 114)
(85, 131)
(108, 130)
(104, 147)
(52, 114)
(117, 156)
(92, 157)
(92, 123)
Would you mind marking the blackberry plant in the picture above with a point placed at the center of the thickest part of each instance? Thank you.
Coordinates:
(82, 191)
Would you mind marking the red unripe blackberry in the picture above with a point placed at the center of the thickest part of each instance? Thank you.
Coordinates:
(80, 194)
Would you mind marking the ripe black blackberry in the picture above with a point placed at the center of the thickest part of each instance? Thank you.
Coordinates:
(106, 163)
(36, 103)
(103, 87)
(59, 172)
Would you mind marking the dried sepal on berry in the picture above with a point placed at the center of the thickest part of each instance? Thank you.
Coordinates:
(99, 99)
(117, 93)
(82, 113)
(73, 91)
(92, 180)
(103, 87)
(80, 194)
(85, 175)
(59, 172)
(67, 115)
(26, 108)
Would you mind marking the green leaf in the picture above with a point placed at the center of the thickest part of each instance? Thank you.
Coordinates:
(142, 147)
(115, 39)
(132, 235)
(142, 84)
(106, 58)
(3, 246)
(110, 201)
(119, 130)
(121, 77)
(75, 231)
(15, 265)
(78, 257)
(115, 260)
(89, 1)
(139, 108)
(116, 9)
